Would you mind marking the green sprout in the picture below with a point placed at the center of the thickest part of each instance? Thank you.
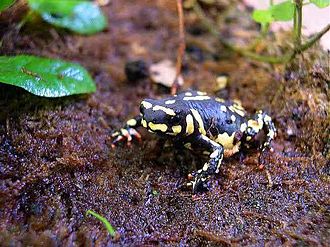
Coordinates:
(106, 223)
(287, 11)
(290, 10)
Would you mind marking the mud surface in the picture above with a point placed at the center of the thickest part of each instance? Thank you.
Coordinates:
(56, 161)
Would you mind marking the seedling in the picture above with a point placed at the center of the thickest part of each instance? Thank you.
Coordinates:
(290, 10)
(113, 233)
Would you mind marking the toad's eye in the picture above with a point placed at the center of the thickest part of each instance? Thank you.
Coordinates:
(175, 119)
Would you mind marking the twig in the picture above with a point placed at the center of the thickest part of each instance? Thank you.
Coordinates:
(158, 239)
(269, 178)
(181, 49)
(265, 217)
(304, 238)
(213, 237)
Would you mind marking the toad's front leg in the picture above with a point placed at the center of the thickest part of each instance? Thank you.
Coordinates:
(127, 132)
(211, 166)
(260, 121)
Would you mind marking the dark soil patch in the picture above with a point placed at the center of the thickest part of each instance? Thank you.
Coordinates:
(56, 161)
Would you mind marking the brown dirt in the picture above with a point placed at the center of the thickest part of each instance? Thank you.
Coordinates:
(56, 161)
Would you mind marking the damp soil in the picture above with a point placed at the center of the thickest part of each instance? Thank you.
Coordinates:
(56, 160)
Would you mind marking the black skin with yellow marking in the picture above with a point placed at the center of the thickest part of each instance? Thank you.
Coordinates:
(200, 122)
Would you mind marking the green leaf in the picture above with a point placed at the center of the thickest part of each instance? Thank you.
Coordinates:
(262, 16)
(280, 12)
(321, 3)
(45, 77)
(283, 11)
(82, 17)
(5, 4)
(106, 223)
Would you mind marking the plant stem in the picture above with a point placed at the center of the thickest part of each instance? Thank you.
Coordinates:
(297, 23)
(269, 59)
(312, 40)
(106, 223)
(294, 22)
(181, 49)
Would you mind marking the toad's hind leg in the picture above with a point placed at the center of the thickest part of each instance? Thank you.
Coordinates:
(270, 130)
(211, 166)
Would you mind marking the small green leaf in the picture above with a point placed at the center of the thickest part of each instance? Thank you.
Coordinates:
(5, 4)
(82, 17)
(45, 77)
(106, 223)
(262, 16)
(282, 11)
(321, 3)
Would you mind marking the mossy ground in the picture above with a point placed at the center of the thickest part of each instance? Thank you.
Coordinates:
(56, 161)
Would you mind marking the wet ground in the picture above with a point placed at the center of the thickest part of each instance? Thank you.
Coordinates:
(56, 161)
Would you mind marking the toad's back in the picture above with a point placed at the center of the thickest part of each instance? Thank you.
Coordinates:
(216, 118)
